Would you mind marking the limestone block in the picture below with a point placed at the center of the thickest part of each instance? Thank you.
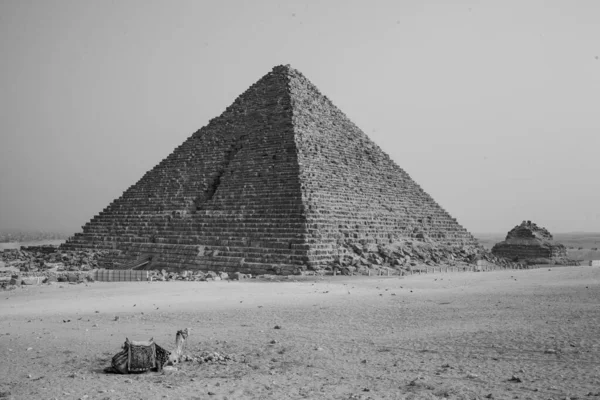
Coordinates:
(32, 280)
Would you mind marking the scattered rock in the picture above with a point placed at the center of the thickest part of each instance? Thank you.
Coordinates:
(214, 357)
(238, 276)
(32, 280)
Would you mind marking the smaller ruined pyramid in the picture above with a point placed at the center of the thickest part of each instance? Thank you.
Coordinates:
(529, 241)
(276, 184)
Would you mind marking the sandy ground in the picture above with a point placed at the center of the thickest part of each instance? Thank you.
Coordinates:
(454, 336)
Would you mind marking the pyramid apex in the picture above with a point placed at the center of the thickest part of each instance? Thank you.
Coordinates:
(283, 68)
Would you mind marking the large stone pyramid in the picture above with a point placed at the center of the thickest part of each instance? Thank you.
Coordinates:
(277, 183)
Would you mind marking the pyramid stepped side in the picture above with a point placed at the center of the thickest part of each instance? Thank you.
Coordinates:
(147, 208)
(353, 191)
(227, 199)
(529, 241)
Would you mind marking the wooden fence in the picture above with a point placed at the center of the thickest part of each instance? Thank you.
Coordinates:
(120, 275)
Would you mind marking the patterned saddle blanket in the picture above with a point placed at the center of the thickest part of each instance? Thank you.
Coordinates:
(139, 356)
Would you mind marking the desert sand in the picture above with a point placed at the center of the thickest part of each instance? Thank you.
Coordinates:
(527, 334)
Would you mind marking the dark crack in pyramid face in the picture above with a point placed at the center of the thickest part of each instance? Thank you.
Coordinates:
(279, 182)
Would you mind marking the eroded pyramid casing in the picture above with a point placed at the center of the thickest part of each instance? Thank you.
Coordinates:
(275, 184)
(529, 241)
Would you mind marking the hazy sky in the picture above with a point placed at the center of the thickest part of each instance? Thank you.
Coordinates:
(493, 107)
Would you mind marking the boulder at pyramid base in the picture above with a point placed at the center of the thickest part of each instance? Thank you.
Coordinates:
(281, 182)
(530, 243)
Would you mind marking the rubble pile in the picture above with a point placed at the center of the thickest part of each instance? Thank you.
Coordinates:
(40, 258)
(411, 255)
(47, 264)
(8, 280)
(44, 264)
(213, 357)
(196, 275)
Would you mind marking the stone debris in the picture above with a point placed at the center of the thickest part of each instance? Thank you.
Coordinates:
(47, 264)
(33, 267)
(36, 258)
(195, 275)
(212, 357)
(408, 256)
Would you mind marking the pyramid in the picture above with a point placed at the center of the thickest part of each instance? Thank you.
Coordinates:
(529, 241)
(278, 183)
